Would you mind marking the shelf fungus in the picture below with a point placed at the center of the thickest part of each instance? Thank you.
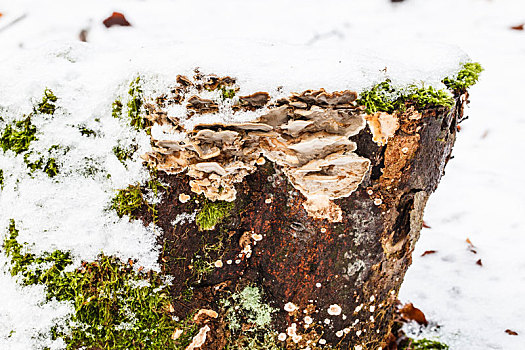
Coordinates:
(307, 135)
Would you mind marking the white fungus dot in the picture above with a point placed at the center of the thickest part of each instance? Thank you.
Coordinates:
(297, 338)
(370, 192)
(183, 197)
(358, 308)
(281, 336)
(318, 285)
(372, 298)
(218, 263)
(257, 237)
(339, 334)
(372, 308)
(334, 310)
(322, 341)
(327, 321)
(378, 201)
(323, 230)
(404, 150)
(268, 200)
(290, 307)
(308, 320)
(358, 333)
(229, 262)
(358, 347)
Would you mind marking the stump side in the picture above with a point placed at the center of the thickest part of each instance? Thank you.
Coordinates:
(319, 266)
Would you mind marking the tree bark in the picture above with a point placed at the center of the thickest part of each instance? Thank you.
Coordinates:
(357, 264)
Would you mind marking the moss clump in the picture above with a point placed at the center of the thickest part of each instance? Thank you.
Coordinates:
(227, 93)
(116, 109)
(85, 131)
(18, 136)
(247, 307)
(135, 105)
(127, 200)
(213, 213)
(465, 78)
(115, 306)
(124, 153)
(47, 106)
(384, 97)
(424, 344)
(1, 179)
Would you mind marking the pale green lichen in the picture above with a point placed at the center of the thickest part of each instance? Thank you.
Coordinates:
(247, 307)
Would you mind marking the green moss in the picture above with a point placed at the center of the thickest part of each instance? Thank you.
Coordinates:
(384, 97)
(127, 200)
(18, 136)
(116, 109)
(227, 93)
(213, 213)
(85, 131)
(47, 106)
(124, 153)
(135, 105)
(424, 344)
(465, 78)
(1, 179)
(247, 307)
(115, 307)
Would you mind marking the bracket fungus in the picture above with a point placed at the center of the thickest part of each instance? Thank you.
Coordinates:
(307, 135)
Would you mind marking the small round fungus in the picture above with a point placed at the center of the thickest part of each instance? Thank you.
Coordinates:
(218, 264)
(183, 197)
(290, 307)
(339, 334)
(282, 336)
(334, 310)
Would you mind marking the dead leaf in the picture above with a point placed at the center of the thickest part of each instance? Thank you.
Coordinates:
(479, 262)
(116, 19)
(509, 332)
(428, 252)
(411, 313)
(518, 27)
(471, 246)
(82, 36)
(425, 225)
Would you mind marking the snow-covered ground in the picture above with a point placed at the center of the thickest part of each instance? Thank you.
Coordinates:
(306, 44)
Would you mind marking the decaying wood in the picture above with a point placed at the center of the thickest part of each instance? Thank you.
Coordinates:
(343, 271)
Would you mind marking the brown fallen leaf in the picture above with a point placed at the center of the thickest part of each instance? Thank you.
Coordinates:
(471, 246)
(411, 313)
(176, 334)
(425, 225)
(199, 339)
(428, 252)
(479, 262)
(116, 19)
(518, 27)
(509, 332)
(82, 36)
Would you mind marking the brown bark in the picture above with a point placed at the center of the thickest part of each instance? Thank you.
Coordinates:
(357, 264)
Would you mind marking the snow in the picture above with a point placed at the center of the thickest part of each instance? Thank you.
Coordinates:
(295, 45)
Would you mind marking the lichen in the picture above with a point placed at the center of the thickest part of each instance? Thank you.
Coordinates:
(247, 307)
(212, 213)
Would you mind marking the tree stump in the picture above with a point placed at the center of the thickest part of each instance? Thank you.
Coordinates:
(316, 205)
